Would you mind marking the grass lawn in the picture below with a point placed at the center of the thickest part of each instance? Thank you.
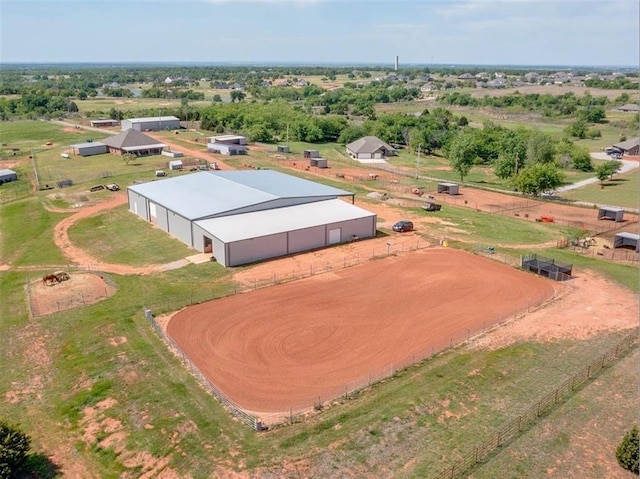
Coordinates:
(118, 236)
(27, 234)
(623, 190)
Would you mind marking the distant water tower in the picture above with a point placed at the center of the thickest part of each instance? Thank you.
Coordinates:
(397, 62)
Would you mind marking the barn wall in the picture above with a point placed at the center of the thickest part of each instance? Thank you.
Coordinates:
(92, 150)
(162, 220)
(306, 239)
(219, 252)
(361, 228)
(179, 227)
(138, 205)
(255, 249)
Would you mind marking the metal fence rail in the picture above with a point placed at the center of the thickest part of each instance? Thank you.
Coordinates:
(512, 429)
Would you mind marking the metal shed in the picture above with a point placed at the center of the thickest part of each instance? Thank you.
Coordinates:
(250, 237)
(450, 188)
(256, 209)
(318, 162)
(7, 176)
(230, 149)
(90, 148)
(311, 154)
(175, 165)
(623, 239)
(154, 123)
(282, 149)
(610, 213)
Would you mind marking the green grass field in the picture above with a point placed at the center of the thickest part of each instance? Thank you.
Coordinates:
(137, 242)
(95, 386)
(623, 190)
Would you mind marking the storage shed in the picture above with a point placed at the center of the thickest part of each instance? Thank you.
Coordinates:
(624, 239)
(175, 165)
(449, 188)
(282, 149)
(90, 148)
(318, 162)
(104, 123)
(250, 215)
(7, 176)
(230, 149)
(154, 123)
(611, 213)
(311, 154)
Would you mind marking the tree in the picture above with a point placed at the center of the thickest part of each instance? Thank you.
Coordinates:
(128, 157)
(512, 153)
(237, 95)
(628, 451)
(539, 178)
(216, 98)
(462, 153)
(14, 446)
(540, 148)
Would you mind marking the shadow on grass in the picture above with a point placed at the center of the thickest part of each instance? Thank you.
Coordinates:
(39, 466)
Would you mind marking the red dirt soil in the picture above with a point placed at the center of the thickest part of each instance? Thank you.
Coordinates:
(288, 345)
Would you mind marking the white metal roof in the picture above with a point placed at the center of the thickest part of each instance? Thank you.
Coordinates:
(613, 209)
(7, 172)
(264, 223)
(632, 236)
(153, 118)
(210, 193)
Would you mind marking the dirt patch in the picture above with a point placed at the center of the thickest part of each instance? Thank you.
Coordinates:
(268, 354)
(81, 289)
(589, 305)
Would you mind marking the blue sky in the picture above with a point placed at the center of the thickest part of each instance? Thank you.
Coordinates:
(515, 32)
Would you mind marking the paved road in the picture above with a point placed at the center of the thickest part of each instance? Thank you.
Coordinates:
(626, 167)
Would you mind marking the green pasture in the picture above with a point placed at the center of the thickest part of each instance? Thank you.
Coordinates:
(94, 107)
(118, 236)
(66, 362)
(623, 190)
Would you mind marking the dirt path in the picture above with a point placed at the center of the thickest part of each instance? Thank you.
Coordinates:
(78, 255)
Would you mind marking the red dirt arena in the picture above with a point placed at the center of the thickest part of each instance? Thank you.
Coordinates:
(286, 346)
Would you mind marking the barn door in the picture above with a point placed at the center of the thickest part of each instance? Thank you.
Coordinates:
(335, 236)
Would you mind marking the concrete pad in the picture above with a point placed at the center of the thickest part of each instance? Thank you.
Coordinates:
(199, 258)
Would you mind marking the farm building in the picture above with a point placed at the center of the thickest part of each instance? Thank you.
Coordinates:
(132, 141)
(228, 139)
(89, 148)
(227, 145)
(282, 149)
(154, 123)
(246, 216)
(630, 147)
(547, 267)
(629, 107)
(172, 154)
(7, 176)
(104, 123)
(175, 165)
(449, 188)
(318, 162)
(311, 154)
(369, 148)
(610, 213)
(623, 239)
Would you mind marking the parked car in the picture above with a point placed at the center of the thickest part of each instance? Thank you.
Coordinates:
(161, 173)
(402, 226)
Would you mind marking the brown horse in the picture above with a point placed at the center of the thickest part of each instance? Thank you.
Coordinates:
(49, 280)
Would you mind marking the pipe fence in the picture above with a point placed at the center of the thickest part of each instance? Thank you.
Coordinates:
(515, 427)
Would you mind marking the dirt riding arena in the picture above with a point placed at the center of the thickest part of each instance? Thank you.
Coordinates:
(81, 289)
(300, 343)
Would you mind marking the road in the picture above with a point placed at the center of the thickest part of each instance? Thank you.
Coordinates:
(627, 166)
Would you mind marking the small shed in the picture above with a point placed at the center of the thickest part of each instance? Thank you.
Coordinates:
(89, 148)
(311, 154)
(104, 123)
(318, 162)
(175, 165)
(172, 154)
(449, 188)
(230, 149)
(7, 176)
(623, 239)
(610, 213)
(282, 149)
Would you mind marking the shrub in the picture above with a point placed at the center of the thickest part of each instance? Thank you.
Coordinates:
(628, 450)
(14, 446)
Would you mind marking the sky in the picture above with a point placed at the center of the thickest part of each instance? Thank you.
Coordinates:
(373, 32)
